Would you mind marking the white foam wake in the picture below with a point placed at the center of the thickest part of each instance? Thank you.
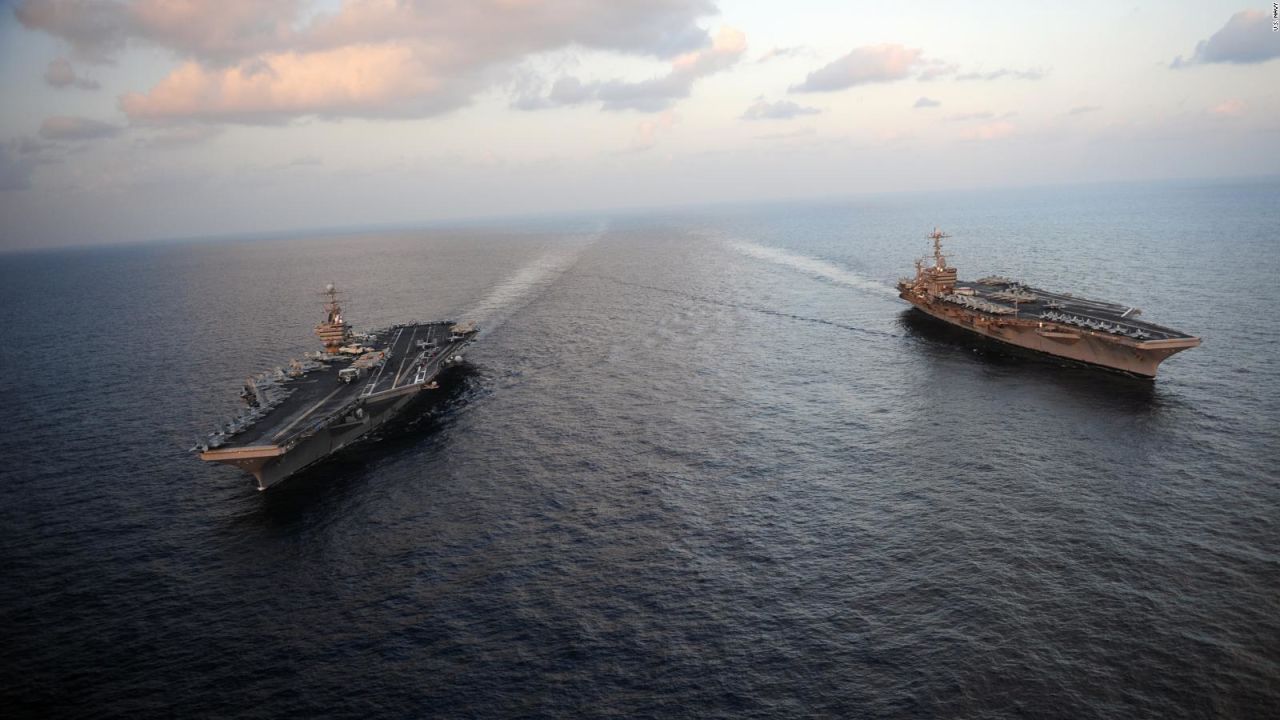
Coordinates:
(526, 284)
(811, 266)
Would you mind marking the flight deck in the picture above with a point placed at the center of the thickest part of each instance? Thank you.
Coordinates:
(1001, 296)
(412, 355)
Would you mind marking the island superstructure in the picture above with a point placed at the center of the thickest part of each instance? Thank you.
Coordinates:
(1095, 332)
(297, 417)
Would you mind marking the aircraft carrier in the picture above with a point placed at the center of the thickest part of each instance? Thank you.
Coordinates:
(299, 416)
(1094, 332)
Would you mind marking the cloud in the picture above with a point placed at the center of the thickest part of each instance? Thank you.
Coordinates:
(1228, 108)
(96, 30)
(652, 95)
(20, 157)
(15, 168)
(569, 91)
(65, 127)
(780, 110)
(505, 29)
(221, 31)
(253, 62)
(566, 91)
(60, 74)
(870, 64)
(30, 147)
(935, 69)
(361, 80)
(180, 136)
(657, 94)
(1082, 109)
(776, 53)
(214, 30)
(925, 102)
(1246, 38)
(992, 131)
(1030, 74)
(646, 134)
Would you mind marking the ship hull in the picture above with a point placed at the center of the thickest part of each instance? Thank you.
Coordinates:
(1140, 359)
(271, 465)
(313, 449)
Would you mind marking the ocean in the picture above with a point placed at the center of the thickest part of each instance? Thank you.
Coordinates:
(702, 463)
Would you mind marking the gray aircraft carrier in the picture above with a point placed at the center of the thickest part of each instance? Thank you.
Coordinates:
(297, 417)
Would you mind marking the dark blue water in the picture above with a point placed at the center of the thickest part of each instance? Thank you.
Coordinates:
(705, 464)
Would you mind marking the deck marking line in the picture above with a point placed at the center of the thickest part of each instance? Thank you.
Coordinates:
(399, 372)
(310, 410)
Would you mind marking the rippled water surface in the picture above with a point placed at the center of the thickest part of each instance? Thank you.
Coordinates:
(704, 464)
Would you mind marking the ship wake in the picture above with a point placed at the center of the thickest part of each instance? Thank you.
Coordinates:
(526, 284)
(744, 306)
(813, 267)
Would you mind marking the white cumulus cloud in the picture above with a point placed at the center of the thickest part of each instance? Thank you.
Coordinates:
(870, 64)
(1246, 38)
(761, 109)
(651, 95)
(255, 62)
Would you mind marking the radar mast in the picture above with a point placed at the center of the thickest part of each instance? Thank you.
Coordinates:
(937, 237)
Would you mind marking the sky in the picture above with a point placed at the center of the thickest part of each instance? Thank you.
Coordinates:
(129, 120)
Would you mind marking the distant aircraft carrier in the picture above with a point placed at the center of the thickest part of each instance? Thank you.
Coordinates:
(299, 416)
(1088, 331)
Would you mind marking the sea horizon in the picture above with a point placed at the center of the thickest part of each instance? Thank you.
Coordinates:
(539, 220)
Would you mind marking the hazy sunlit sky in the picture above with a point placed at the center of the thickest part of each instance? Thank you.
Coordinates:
(139, 119)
